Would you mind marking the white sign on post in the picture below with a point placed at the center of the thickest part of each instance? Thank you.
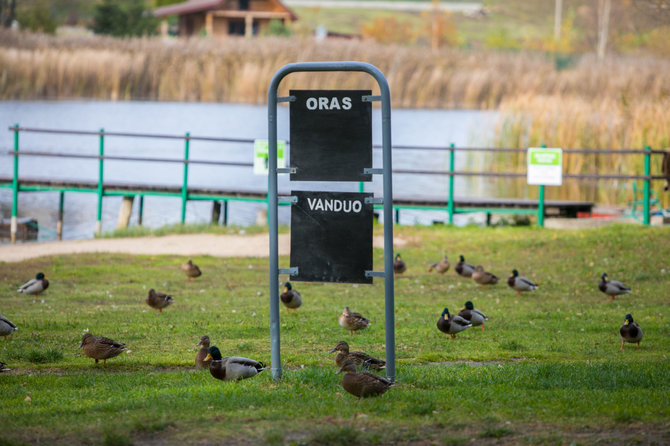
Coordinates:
(261, 156)
(545, 166)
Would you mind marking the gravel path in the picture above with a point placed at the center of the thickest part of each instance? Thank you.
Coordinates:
(256, 245)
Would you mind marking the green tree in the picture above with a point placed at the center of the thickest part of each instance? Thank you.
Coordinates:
(36, 16)
(123, 18)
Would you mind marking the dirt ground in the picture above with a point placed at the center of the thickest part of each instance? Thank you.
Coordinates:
(256, 245)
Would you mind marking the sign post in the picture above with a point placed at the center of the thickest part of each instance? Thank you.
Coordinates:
(331, 140)
(545, 168)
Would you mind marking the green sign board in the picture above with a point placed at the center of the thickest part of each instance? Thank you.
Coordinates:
(545, 166)
(261, 156)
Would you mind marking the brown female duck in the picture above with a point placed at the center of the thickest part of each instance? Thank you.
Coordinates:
(362, 384)
(191, 270)
(484, 277)
(202, 353)
(158, 300)
(359, 358)
(353, 321)
(100, 347)
(441, 267)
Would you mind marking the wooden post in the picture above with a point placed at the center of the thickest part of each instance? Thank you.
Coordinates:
(248, 26)
(216, 212)
(59, 225)
(125, 211)
(209, 24)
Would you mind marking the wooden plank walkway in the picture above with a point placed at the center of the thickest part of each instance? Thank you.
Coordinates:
(556, 208)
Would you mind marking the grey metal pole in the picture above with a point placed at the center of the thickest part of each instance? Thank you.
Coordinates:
(273, 227)
(389, 318)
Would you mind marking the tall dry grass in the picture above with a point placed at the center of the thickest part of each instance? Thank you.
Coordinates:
(36, 66)
(573, 122)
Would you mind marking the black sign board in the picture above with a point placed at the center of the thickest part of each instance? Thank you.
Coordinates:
(331, 135)
(331, 237)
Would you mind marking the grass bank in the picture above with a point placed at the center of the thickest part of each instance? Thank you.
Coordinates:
(547, 369)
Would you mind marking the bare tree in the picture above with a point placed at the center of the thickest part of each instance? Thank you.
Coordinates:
(558, 19)
(604, 8)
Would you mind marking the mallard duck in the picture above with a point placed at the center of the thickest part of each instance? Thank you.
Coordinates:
(360, 358)
(470, 313)
(362, 384)
(399, 265)
(630, 331)
(520, 283)
(452, 324)
(100, 347)
(290, 297)
(191, 270)
(464, 269)
(35, 286)
(202, 353)
(353, 321)
(6, 327)
(232, 368)
(483, 277)
(441, 267)
(158, 300)
(612, 287)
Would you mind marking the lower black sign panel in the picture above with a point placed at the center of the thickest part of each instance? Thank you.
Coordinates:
(331, 237)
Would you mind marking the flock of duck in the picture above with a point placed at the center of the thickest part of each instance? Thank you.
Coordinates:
(357, 379)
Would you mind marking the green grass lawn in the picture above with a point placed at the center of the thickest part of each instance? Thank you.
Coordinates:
(547, 369)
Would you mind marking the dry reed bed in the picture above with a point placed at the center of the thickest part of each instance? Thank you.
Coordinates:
(572, 122)
(239, 70)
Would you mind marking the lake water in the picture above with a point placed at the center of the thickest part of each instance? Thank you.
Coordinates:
(409, 127)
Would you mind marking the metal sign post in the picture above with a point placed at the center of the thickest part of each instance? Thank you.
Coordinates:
(326, 102)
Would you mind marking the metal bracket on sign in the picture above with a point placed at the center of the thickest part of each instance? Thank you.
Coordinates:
(292, 271)
(373, 171)
(370, 98)
(375, 274)
(286, 99)
(287, 169)
(374, 200)
(290, 199)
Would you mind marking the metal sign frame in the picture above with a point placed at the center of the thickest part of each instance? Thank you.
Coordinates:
(273, 202)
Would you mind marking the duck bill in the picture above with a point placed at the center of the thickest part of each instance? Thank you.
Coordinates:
(208, 357)
(339, 371)
(333, 350)
(81, 344)
(199, 343)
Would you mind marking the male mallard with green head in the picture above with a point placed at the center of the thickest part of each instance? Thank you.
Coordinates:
(100, 347)
(353, 321)
(202, 353)
(191, 270)
(35, 286)
(630, 332)
(360, 358)
(452, 324)
(399, 265)
(464, 269)
(232, 368)
(520, 283)
(483, 277)
(6, 327)
(290, 297)
(441, 267)
(474, 316)
(158, 300)
(612, 287)
(362, 384)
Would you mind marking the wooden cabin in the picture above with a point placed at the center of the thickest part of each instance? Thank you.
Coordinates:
(225, 17)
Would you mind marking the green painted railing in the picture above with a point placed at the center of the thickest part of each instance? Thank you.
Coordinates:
(142, 191)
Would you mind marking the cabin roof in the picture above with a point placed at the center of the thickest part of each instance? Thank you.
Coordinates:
(193, 6)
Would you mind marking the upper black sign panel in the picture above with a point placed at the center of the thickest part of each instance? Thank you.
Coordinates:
(331, 135)
(331, 236)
